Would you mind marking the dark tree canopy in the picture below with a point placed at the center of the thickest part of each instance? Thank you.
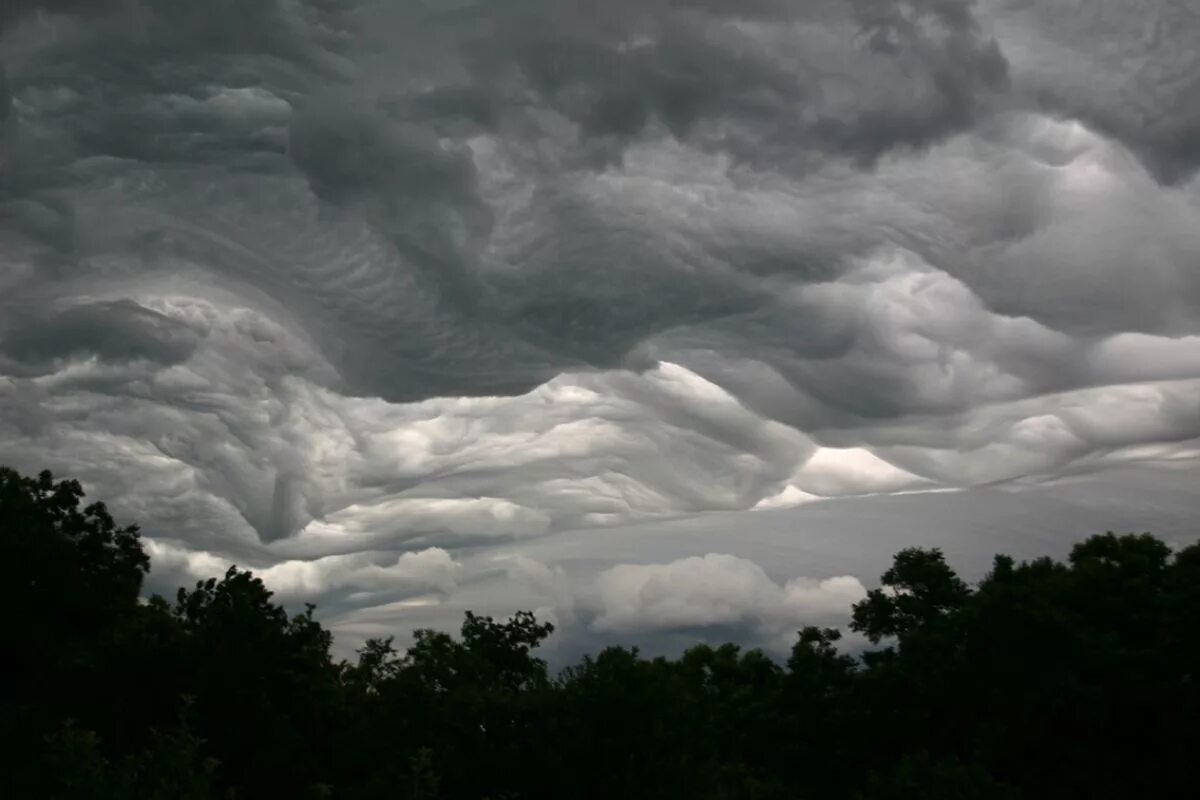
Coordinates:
(919, 588)
(1057, 680)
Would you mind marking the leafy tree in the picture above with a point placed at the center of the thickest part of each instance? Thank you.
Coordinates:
(73, 585)
(918, 589)
(171, 767)
(264, 682)
(1075, 679)
(918, 777)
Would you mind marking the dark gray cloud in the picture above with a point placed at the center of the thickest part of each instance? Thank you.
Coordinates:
(116, 331)
(15, 10)
(1141, 86)
(373, 296)
(766, 81)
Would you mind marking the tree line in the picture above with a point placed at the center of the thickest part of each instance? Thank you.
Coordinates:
(1073, 679)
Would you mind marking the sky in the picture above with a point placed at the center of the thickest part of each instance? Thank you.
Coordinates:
(671, 321)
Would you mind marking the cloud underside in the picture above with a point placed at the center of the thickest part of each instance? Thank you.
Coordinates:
(369, 296)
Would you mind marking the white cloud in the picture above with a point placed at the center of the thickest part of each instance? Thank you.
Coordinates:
(356, 578)
(714, 590)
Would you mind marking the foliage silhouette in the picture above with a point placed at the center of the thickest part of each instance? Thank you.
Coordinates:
(1066, 680)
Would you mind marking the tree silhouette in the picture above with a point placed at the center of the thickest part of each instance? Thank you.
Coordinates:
(71, 589)
(1047, 679)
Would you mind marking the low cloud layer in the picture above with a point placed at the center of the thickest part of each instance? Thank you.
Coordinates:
(715, 590)
(704, 597)
(365, 294)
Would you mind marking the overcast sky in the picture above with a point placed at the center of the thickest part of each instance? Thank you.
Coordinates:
(672, 320)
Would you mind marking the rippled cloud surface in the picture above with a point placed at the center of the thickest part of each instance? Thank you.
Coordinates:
(612, 310)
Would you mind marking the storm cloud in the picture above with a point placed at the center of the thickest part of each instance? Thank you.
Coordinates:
(378, 298)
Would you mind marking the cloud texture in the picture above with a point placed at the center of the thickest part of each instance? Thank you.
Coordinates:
(368, 295)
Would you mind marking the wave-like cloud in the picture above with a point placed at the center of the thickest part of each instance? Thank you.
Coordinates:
(314, 287)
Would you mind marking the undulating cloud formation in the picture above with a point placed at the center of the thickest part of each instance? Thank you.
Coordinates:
(421, 305)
